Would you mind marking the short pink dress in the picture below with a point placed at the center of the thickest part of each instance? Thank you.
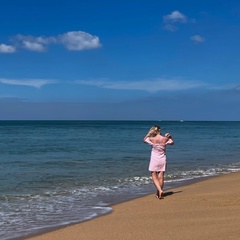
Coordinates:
(158, 161)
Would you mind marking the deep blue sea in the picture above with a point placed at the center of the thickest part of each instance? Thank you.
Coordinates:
(54, 173)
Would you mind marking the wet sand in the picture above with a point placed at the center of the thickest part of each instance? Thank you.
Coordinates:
(209, 209)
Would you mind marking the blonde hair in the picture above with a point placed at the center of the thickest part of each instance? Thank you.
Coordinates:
(154, 131)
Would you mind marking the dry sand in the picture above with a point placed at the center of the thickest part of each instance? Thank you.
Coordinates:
(209, 209)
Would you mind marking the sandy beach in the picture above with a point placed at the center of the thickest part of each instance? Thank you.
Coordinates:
(209, 209)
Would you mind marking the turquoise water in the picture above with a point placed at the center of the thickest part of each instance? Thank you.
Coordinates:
(54, 173)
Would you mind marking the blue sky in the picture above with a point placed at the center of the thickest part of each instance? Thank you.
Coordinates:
(120, 60)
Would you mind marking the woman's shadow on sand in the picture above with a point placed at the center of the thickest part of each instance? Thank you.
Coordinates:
(169, 193)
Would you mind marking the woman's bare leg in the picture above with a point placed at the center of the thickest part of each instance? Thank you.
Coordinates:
(161, 179)
(161, 182)
(156, 182)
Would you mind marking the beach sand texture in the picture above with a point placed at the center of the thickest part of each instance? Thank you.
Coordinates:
(209, 209)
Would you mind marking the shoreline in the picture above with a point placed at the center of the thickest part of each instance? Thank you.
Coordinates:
(168, 186)
(202, 193)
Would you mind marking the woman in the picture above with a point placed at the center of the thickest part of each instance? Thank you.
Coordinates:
(158, 163)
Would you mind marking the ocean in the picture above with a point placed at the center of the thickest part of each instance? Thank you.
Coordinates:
(55, 173)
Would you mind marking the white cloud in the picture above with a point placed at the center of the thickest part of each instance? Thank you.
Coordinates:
(37, 83)
(197, 39)
(36, 44)
(33, 46)
(7, 48)
(154, 85)
(79, 41)
(74, 41)
(172, 19)
(175, 16)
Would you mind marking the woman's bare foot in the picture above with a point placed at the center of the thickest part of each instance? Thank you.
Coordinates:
(161, 195)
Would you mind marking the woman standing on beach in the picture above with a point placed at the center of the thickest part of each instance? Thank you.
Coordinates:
(158, 162)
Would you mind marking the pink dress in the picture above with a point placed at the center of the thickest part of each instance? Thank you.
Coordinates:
(158, 161)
